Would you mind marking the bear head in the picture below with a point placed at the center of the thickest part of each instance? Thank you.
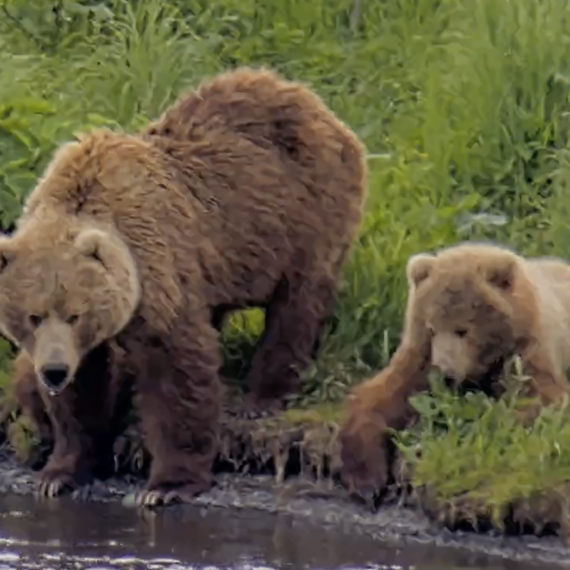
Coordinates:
(58, 303)
(467, 297)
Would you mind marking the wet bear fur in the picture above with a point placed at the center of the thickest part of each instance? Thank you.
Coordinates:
(469, 308)
(145, 242)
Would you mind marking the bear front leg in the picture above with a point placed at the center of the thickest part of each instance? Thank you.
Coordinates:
(374, 407)
(29, 399)
(179, 404)
(289, 342)
(70, 465)
(83, 417)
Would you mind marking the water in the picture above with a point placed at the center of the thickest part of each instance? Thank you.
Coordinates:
(66, 534)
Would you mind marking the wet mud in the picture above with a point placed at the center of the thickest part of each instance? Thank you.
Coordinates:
(242, 517)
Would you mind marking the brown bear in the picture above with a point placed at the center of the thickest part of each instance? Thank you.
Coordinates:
(469, 308)
(144, 241)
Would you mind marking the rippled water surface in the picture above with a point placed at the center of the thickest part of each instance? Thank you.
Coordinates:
(66, 534)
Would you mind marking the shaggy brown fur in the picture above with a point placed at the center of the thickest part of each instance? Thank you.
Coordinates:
(291, 124)
(150, 239)
(469, 308)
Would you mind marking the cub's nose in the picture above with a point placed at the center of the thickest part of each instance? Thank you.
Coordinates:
(54, 376)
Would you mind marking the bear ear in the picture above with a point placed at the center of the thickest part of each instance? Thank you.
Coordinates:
(502, 274)
(116, 258)
(89, 242)
(419, 268)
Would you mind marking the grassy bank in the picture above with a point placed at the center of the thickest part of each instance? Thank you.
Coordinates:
(464, 110)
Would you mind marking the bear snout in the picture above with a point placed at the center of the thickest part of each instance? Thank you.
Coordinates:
(444, 364)
(449, 370)
(54, 377)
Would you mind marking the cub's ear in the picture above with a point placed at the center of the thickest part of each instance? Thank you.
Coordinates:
(419, 268)
(502, 274)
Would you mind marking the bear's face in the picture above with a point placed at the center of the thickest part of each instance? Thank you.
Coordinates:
(58, 304)
(464, 303)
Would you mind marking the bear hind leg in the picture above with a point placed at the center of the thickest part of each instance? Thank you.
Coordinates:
(291, 339)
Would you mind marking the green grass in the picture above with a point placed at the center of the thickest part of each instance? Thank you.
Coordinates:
(472, 460)
(463, 107)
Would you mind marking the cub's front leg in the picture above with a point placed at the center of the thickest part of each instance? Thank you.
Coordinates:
(373, 407)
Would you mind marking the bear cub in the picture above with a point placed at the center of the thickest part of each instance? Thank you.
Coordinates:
(469, 308)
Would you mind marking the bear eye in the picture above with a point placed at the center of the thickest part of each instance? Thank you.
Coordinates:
(461, 333)
(71, 320)
(35, 321)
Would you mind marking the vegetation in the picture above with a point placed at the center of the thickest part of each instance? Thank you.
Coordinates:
(464, 109)
(473, 465)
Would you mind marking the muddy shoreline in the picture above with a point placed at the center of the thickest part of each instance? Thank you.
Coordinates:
(320, 503)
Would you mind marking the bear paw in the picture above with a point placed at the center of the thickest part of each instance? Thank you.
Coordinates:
(365, 479)
(53, 483)
(365, 467)
(166, 494)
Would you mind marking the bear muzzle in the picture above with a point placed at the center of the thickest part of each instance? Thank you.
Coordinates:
(55, 355)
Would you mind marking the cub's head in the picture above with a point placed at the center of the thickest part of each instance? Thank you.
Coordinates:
(59, 303)
(464, 297)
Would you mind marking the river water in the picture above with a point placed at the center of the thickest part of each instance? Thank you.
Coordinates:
(67, 534)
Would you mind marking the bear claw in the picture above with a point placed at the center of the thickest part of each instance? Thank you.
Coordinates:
(254, 409)
(83, 493)
(157, 497)
(53, 486)
(252, 414)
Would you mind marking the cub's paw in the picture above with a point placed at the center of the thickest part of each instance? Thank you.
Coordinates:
(365, 463)
(163, 495)
(54, 482)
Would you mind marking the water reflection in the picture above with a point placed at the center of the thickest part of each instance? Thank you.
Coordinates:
(66, 534)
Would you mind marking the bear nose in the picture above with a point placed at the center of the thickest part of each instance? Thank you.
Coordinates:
(54, 376)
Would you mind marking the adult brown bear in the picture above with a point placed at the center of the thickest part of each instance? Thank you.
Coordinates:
(248, 192)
